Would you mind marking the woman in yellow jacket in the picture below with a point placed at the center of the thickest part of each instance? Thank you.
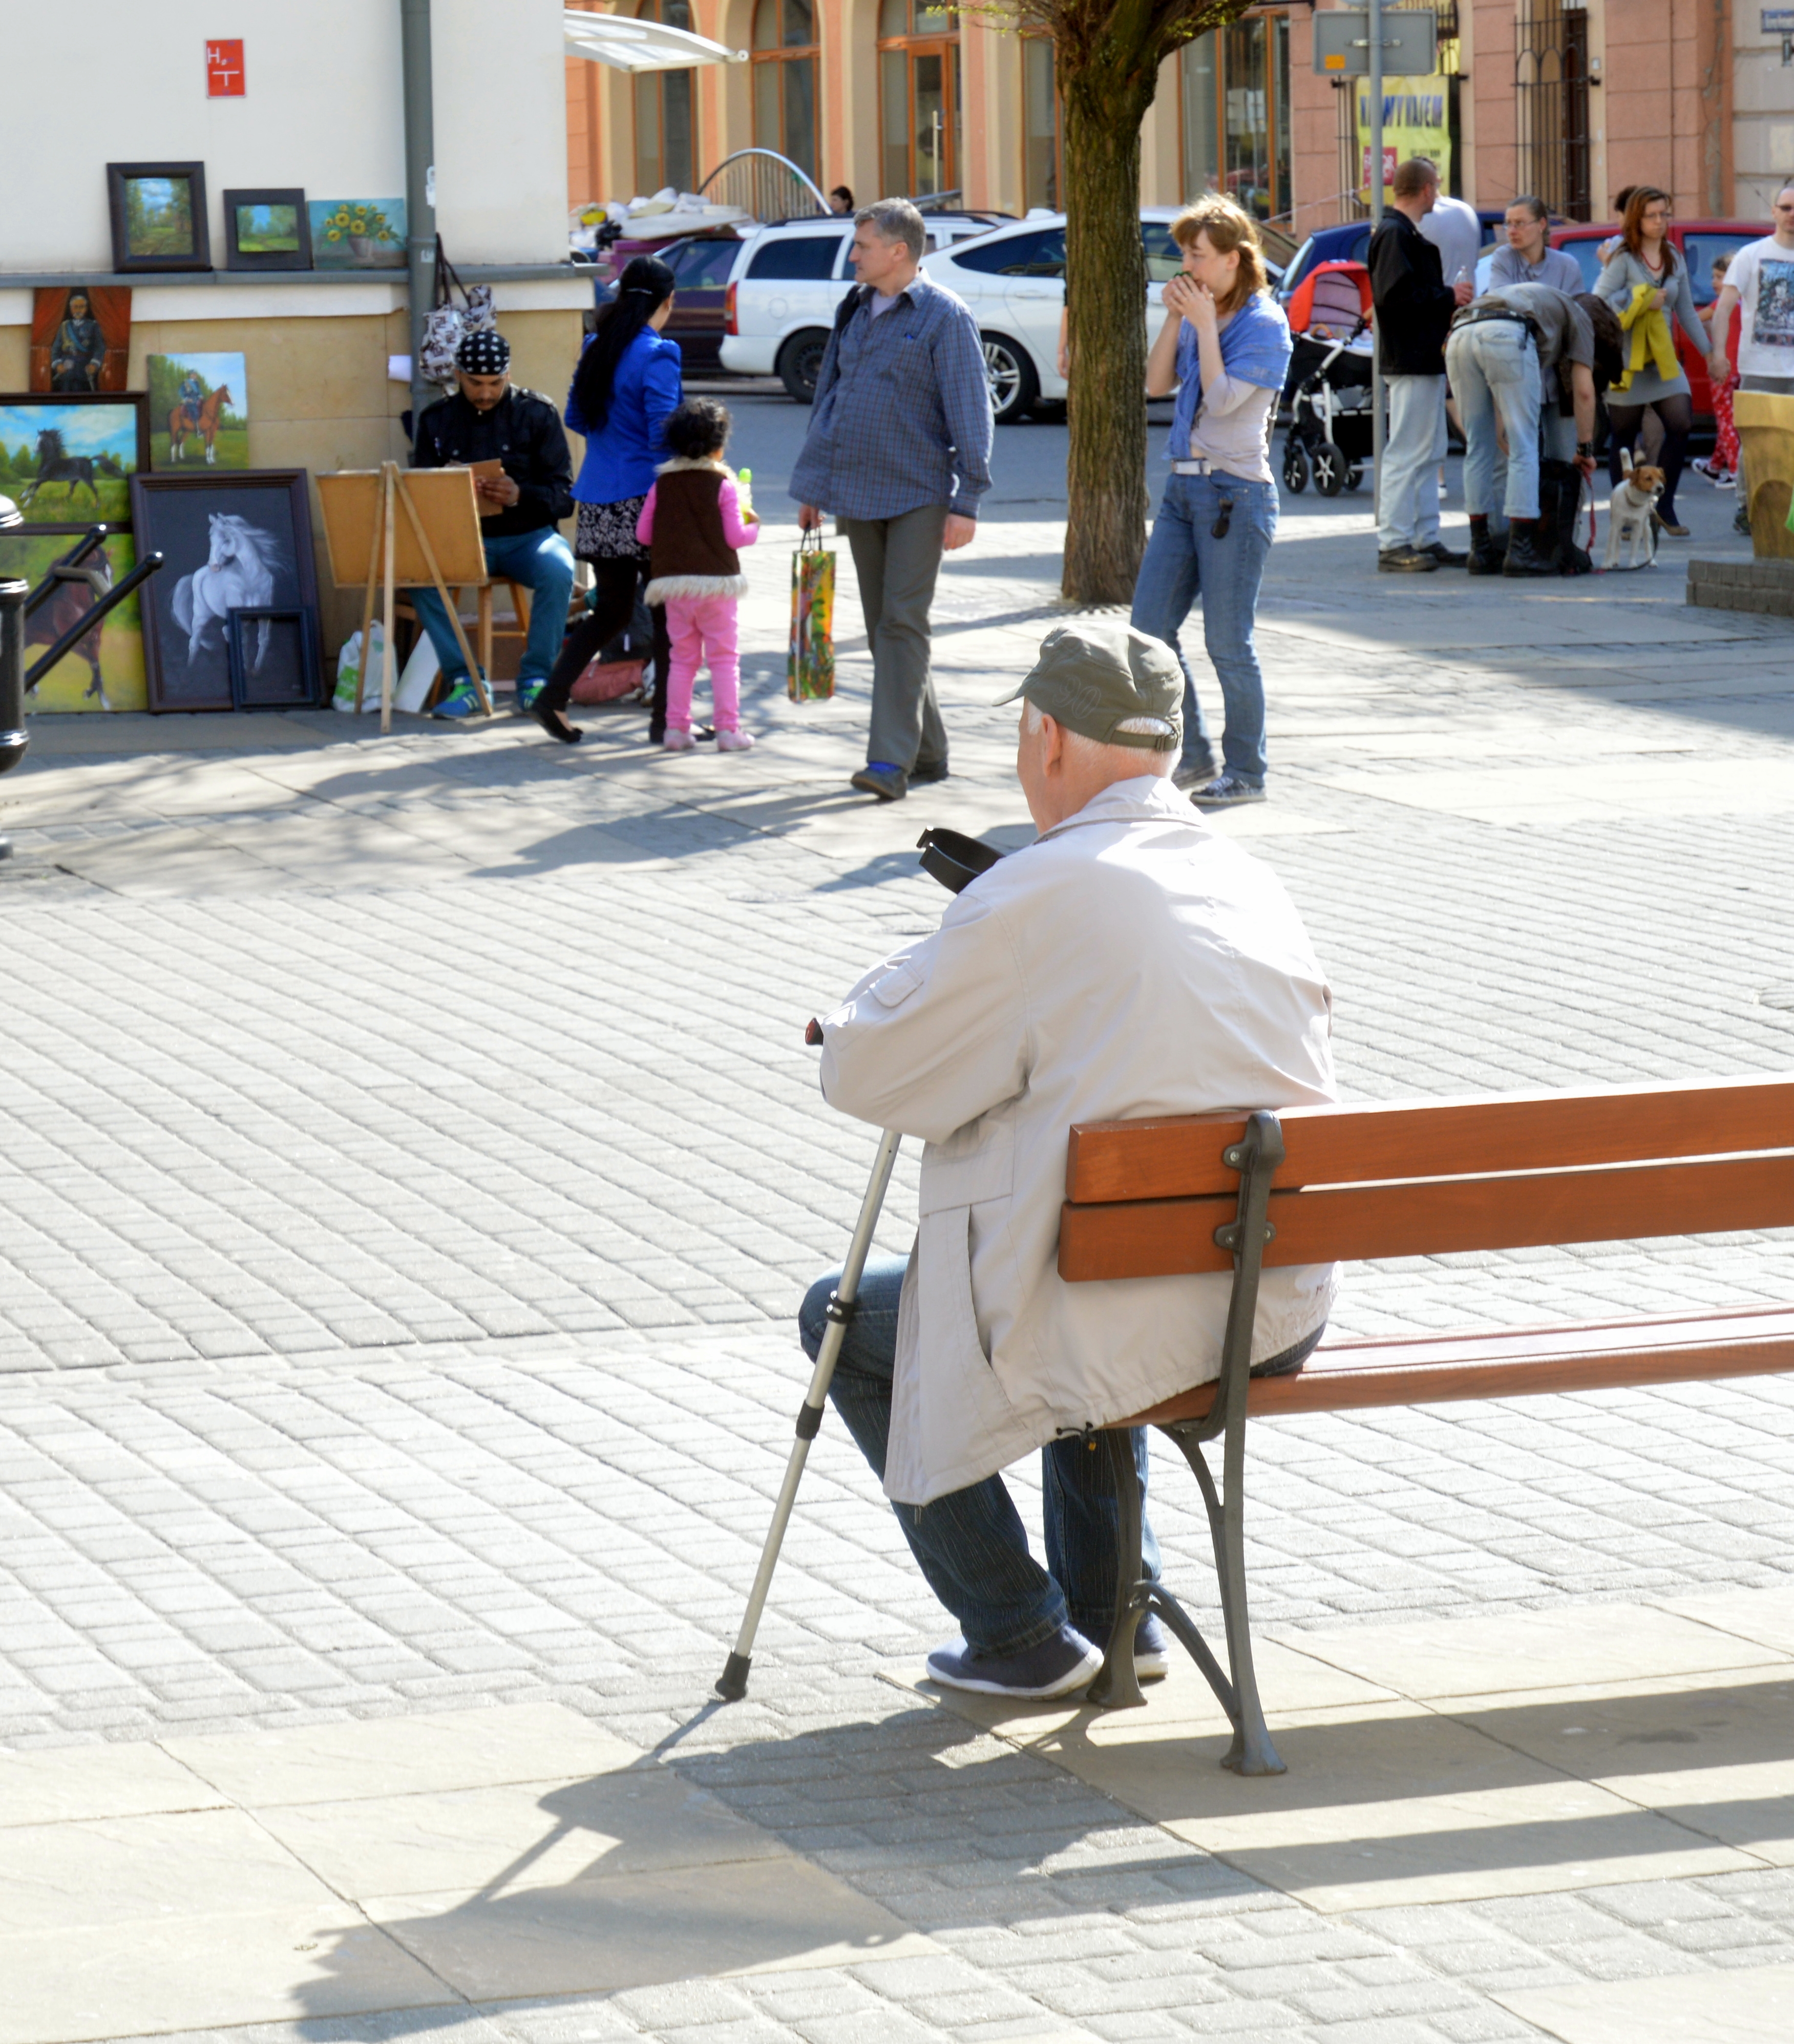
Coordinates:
(1649, 290)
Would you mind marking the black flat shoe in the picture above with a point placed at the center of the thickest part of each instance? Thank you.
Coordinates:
(555, 724)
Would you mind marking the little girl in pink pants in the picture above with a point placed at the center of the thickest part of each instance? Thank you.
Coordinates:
(692, 524)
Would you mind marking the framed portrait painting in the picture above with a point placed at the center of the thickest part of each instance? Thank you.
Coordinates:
(80, 338)
(230, 542)
(67, 461)
(159, 217)
(267, 229)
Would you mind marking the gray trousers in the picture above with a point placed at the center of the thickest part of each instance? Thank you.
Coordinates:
(897, 560)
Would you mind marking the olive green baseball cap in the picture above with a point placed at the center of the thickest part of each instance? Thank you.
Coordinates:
(1097, 678)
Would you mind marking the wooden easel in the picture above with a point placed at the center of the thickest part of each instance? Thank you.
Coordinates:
(362, 519)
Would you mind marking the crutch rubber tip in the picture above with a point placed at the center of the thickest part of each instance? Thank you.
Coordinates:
(732, 1684)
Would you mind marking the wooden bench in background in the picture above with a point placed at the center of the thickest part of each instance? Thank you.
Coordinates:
(1414, 1178)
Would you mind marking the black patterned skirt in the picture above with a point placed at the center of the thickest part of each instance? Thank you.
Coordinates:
(607, 532)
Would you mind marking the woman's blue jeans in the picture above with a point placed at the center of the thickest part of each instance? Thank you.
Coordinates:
(971, 1545)
(1184, 559)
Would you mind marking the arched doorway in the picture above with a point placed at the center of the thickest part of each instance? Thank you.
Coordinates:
(665, 112)
(784, 57)
(918, 97)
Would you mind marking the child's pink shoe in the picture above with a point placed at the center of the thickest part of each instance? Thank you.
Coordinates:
(734, 741)
(677, 740)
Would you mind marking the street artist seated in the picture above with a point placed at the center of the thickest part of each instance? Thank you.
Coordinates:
(1130, 962)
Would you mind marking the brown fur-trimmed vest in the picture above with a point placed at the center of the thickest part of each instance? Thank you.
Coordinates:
(688, 554)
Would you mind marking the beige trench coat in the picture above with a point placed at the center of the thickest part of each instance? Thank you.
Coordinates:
(1130, 962)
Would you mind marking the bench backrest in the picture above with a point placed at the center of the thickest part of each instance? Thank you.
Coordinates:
(1424, 1177)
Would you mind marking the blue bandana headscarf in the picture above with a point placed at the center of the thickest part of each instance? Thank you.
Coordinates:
(1255, 346)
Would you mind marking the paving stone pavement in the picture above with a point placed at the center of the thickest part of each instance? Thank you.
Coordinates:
(412, 1165)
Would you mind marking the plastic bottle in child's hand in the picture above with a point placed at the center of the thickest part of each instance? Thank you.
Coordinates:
(745, 492)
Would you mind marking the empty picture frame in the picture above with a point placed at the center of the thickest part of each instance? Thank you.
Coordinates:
(268, 229)
(159, 217)
(274, 663)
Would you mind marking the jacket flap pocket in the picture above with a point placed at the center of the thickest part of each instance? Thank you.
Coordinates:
(896, 987)
(962, 1173)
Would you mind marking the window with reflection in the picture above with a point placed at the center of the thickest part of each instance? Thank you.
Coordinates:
(918, 97)
(1235, 104)
(665, 106)
(1041, 134)
(784, 57)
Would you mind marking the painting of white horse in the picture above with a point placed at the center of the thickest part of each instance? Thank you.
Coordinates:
(238, 575)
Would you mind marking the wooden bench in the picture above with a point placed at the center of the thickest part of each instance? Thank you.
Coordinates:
(1244, 1192)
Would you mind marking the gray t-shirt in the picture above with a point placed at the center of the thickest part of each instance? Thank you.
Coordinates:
(1566, 333)
(1555, 267)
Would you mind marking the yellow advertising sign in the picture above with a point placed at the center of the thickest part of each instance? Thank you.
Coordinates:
(1416, 122)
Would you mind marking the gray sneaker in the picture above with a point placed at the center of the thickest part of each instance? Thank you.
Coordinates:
(1228, 792)
(1057, 1666)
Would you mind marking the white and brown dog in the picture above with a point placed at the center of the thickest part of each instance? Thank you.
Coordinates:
(1631, 523)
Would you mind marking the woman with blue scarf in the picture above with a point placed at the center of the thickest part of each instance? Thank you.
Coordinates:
(1225, 347)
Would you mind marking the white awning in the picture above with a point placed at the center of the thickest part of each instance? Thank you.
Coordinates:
(627, 45)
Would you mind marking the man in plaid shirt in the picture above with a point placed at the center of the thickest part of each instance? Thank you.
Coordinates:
(899, 450)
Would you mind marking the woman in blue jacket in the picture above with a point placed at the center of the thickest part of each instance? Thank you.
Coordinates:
(625, 389)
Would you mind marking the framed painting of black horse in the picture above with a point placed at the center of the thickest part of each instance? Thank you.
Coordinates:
(67, 461)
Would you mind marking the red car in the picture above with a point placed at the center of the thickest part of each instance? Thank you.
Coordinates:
(1698, 243)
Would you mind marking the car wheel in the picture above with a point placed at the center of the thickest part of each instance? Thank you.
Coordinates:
(1014, 385)
(1295, 468)
(800, 363)
(1330, 468)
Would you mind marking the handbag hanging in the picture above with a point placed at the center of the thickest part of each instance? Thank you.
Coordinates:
(809, 664)
(449, 322)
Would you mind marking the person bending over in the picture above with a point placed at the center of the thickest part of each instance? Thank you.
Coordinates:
(1130, 962)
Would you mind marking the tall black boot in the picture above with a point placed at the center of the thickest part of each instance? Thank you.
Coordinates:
(1486, 553)
(1525, 556)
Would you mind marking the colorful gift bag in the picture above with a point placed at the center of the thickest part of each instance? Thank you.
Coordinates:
(809, 666)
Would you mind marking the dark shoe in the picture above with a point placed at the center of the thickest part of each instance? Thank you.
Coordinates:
(1054, 1668)
(935, 771)
(890, 784)
(1669, 524)
(555, 723)
(1194, 773)
(1152, 1648)
(1406, 560)
(1444, 555)
(1524, 557)
(1228, 793)
(1487, 553)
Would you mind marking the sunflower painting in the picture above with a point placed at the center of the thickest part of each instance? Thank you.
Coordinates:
(357, 233)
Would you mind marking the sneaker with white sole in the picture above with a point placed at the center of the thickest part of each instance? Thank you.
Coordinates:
(677, 740)
(734, 741)
(1152, 1648)
(1228, 793)
(1058, 1664)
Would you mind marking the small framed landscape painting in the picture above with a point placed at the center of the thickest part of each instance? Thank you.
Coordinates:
(266, 230)
(198, 411)
(230, 542)
(67, 462)
(159, 217)
(357, 233)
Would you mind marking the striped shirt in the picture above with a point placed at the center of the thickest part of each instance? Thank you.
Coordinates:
(902, 412)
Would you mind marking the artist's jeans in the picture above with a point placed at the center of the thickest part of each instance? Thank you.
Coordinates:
(971, 1545)
(703, 628)
(543, 563)
(895, 561)
(1407, 491)
(1494, 371)
(1184, 560)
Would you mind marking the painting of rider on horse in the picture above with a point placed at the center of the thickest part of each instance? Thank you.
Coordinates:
(198, 412)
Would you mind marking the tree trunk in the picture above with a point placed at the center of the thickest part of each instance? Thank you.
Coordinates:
(1106, 288)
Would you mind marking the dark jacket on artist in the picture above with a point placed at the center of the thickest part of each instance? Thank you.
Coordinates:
(689, 551)
(523, 430)
(1414, 302)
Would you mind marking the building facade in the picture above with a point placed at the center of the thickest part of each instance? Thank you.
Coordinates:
(1570, 98)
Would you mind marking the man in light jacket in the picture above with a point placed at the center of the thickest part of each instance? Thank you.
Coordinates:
(1130, 962)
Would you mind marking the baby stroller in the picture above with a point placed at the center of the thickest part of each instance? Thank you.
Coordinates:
(1329, 390)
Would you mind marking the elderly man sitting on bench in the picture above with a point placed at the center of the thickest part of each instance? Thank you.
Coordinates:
(1130, 962)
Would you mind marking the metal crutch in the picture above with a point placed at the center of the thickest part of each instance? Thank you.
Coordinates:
(732, 1684)
(956, 861)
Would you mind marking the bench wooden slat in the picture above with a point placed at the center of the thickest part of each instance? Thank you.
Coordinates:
(1327, 1224)
(1435, 1369)
(1179, 1157)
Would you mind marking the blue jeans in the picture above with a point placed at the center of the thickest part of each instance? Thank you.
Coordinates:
(1185, 560)
(1494, 371)
(543, 563)
(1407, 491)
(971, 1544)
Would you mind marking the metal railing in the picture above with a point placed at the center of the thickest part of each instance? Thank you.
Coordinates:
(764, 184)
(1551, 105)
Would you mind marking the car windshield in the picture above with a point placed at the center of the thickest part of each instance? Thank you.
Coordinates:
(1164, 258)
(703, 265)
(1585, 249)
(1702, 251)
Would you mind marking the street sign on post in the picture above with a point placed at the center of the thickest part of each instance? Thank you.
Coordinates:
(1410, 39)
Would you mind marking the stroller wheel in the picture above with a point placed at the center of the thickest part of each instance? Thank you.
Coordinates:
(1330, 466)
(1354, 477)
(1295, 467)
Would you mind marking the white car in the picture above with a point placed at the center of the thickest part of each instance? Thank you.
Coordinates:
(784, 289)
(1014, 282)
